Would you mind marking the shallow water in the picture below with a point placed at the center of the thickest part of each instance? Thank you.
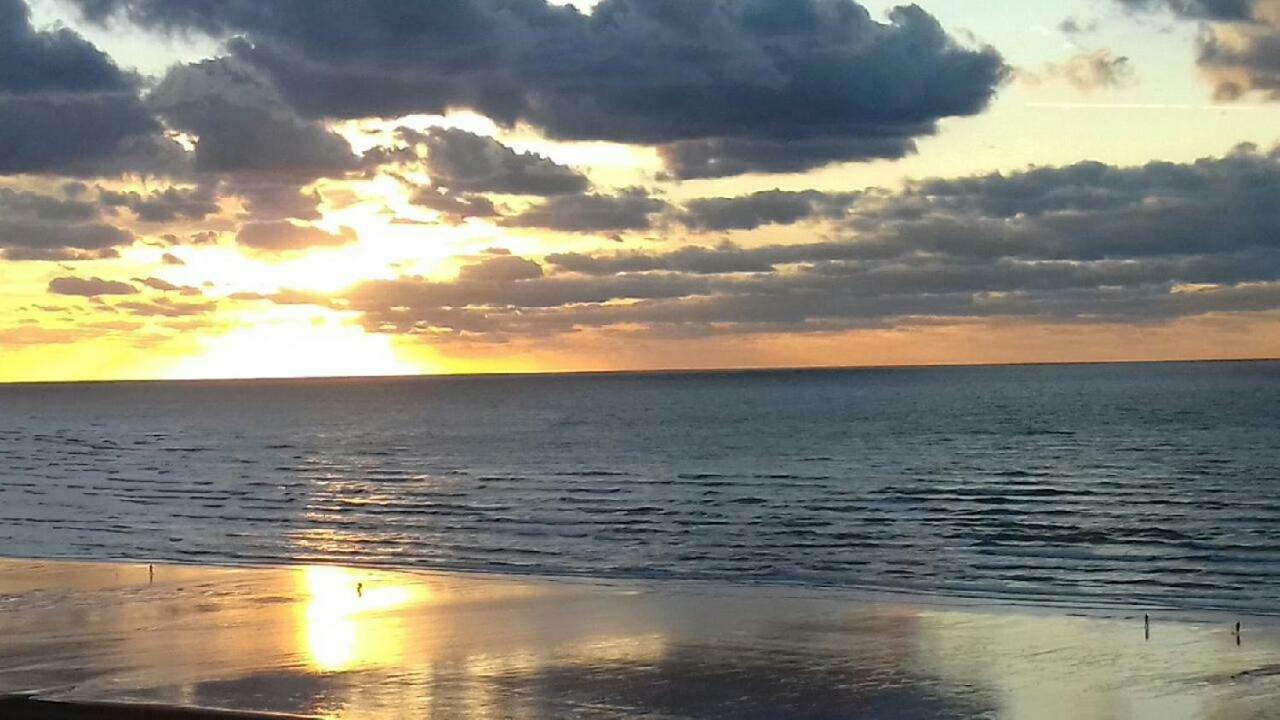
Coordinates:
(1137, 484)
(337, 642)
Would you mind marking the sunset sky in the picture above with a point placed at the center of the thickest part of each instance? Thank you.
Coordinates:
(246, 189)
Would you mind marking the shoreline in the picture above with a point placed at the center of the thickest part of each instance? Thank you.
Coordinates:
(869, 594)
(370, 643)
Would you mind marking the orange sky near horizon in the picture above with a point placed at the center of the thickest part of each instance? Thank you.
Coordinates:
(1073, 217)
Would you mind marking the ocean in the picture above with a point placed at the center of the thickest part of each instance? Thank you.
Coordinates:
(1093, 485)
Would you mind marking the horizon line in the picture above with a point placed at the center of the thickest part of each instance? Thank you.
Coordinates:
(648, 371)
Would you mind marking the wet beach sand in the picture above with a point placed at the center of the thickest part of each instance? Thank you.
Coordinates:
(107, 640)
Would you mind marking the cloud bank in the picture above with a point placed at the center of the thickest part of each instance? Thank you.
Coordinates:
(1082, 243)
(722, 88)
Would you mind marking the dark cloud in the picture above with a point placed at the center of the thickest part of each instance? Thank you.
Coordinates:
(1204, 9)
(768, 207)
(66, 107)
(22, 205)
(171, 259)
(692, 259)
(58, 254)
(89, 287)
(56, 61)
(454, 208)
(283, 236)
(169, 205)
(1244, 58)
(37, 240)
(628, 210)
(501, 268)
(464, 162)
(1095, 70)
(724, 87)
(721, 157)
(157, 284)
(243, 126)
(97, 134)
(269, 198)
(203, 237)
(1082, 243)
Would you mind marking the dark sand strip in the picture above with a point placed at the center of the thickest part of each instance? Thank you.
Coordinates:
(26, 708)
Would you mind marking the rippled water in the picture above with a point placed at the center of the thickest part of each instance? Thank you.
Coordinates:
(1084, 484)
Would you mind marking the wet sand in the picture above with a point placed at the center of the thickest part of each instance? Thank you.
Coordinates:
(336, 642)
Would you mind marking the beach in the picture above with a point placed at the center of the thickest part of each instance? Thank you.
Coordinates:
(330, 641)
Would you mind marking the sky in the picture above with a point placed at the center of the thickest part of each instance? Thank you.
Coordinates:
(299, 188)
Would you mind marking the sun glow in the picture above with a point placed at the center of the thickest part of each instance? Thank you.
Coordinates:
(297, 342)
(342, 626)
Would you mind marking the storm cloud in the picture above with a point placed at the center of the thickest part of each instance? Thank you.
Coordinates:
(57, 61)
(65, 106)
(722, 88)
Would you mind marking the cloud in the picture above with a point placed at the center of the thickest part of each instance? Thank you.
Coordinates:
(164, 307)
(1096, 70)
(61, 254)
(628, 210)
(283, 236)
(32, 61)
(455, 208)
(24, 239)
(243, 126)
(1082, 243)
(767, 207)
(171, 259)
(722, 87)
(89, 287)
(24, 205)
(165, 286)
(1072, 26)
(722, 157)
(1239, 48)
(464, 162)
(692, 259)
(501, 268)
(165, 206)
(65, 106)
(98, 134)
(1204, 9)
(274, 198)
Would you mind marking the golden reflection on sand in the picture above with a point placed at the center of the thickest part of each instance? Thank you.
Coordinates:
(346, 618)
(338, 642)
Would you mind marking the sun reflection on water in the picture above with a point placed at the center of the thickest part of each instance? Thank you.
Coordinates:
(347, 620)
